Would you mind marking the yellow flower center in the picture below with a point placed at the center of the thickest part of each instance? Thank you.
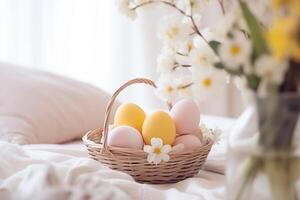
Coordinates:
(169, 89)
(173, 31)
(201, 59)
(157, 150)
(269, 73)
(207, 82)
(235, 49)
(189, 46)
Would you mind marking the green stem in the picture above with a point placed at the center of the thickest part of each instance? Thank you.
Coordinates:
(281, 176)
(248, 175)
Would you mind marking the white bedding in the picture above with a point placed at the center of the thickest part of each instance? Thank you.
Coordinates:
(65, 172)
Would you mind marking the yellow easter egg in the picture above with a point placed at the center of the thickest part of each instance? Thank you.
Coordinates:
(159, 125)
(130, 114)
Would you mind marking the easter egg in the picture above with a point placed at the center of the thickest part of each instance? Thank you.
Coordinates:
(130, 114)
(186, 116)
(189, 141)
(159, 125)
(125, 137)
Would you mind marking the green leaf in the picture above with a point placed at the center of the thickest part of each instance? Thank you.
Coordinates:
(219, 65)
(214, 45)
(260, 46)
(253, 81)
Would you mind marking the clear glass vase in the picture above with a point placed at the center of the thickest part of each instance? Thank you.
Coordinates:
(263, 150)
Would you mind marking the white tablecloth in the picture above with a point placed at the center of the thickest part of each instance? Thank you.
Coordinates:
(46, 171)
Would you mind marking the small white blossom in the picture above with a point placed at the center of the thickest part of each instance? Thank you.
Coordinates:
(165, 62)
(138, 2)
(204, 129)
(185, 47)
(125, 6)
(241, 83)
(235, 51)
(157, 152)
(232, 19)
(207, 83)
(202, 55)
(198, 6)
(174, 31)
(248, 68)
(209, 35)
(166, 88)
(184, 5)
(263, 12)
(270, 70)
(213, 134)
(184, 85)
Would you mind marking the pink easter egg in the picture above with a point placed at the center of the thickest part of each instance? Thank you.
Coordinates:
(186, 116)
(125, 137)
(189, 141)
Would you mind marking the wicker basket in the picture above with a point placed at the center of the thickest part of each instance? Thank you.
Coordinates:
(181, 165)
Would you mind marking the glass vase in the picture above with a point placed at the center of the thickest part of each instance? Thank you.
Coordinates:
(263, 150)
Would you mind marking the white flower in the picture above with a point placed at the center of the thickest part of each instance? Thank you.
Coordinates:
(236, 51)
(207, 83)
(183, 5)
(216, 134)
(270, 70)
(213, 134)
(202, 55)
(166, 62)
(166, 88)
(248, 68)
(138, 2)
(198, 6)
(184, 85)
(204, 129)
(208, 34)
(233, 18)
(185, 47)
(174, 31)
(241, 83)
(125, 7)
(157, 152)
(263, 12)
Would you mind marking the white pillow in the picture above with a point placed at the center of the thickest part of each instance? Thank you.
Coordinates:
(40, 107)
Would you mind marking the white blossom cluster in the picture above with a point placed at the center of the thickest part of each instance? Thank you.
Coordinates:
(191, 57)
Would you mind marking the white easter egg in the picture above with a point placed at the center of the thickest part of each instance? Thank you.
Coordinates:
(125, 137)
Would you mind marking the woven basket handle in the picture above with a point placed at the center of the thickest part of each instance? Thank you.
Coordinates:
(112, 100)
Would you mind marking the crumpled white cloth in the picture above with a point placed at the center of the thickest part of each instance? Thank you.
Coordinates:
(64, 172)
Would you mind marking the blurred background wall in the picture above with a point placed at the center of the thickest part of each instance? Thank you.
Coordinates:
(93, 42)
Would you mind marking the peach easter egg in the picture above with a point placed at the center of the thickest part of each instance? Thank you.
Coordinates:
(189, 141)
(186, 116)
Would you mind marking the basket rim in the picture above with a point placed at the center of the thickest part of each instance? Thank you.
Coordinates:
(91, 144)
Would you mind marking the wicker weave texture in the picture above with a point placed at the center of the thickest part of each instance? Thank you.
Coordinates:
(181, 165)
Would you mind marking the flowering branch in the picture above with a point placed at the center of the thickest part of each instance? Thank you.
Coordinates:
(221, 2)
(164, 2)
(185, 86)
(180, 65)
(196, 29)
(181, 54)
